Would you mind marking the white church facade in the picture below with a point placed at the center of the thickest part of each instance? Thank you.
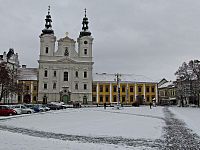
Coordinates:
(65, 74)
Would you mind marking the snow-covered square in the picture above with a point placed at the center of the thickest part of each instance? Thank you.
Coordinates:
(135, 128)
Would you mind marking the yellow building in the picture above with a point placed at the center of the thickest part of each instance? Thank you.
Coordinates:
(133, 89)
(27, 80)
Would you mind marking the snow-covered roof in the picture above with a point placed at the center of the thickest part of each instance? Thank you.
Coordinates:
(27, 74)
(104, 77)
(167, 84)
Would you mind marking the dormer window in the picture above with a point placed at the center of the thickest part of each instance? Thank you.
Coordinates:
(47, 50)
(66, 51)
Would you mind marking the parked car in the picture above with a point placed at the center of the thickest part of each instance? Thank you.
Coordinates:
(23, 109)
(45, 107)
(53, 106)
(6, 111)
(17, 109)
(38, 108)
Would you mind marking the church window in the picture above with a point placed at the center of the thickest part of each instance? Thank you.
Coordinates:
(85, 42)
(54, 73)
(76, 74)
(65, 76)
(76, 86)
(85, 51)
(66, 51)
(45, 86)
(45, 73)
(47, 50)
(54, 85)
(85, 86)
(85, 74)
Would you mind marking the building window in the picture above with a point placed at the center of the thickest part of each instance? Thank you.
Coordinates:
(101, 98)
(131, 98)
(139, 89)
(35, 88)
(94, 99)
(19, 98)
(54, 85)
(65, 76)
(66, 51)
(27, 88)
(131, 89)
(152, 89)
(107, 98)
(47, 50)
(114, 98)
(76, 74)
(101, 88)
(45, 73)
(147, 98)
(85, 51)
(94, 88)
(85, 42)
(147, 89)
(85, 74)
(123, 88)
(123, 99)
(45, 86)
(107, 88)
(54, 73)
(34, 98)
(114, 88)
(76, 86)
(153, 97)
(85, 86)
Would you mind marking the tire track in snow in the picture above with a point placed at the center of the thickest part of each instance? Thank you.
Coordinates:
(156, 144)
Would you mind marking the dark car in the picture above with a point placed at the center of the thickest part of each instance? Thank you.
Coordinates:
(53, 106)
(7, 111)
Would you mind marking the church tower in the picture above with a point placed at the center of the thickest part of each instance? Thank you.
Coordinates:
(85, 40)
(47, 38)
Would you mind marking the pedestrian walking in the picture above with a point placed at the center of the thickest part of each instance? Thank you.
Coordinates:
(104, 105)
(150, 104)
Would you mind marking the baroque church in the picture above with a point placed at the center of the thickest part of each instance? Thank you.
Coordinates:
(65, 74)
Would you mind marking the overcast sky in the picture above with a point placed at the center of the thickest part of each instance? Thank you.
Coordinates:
(143, 37)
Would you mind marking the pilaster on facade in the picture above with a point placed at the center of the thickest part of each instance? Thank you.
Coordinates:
(110, 92)
(145, 92)
(135, 91)
(97, 90)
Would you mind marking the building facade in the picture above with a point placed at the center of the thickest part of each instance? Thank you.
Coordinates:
(133, 89)
(167, 93)
(65, 74)
(28, 84)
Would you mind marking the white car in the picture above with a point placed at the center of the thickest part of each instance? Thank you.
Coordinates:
(17, 109)
(23, 109)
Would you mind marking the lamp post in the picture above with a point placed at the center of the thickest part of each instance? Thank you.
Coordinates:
(117, 75)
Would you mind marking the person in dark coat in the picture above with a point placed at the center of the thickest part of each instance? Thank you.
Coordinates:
(104, 105)
(150, 104)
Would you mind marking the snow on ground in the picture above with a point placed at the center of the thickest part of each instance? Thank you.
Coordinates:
(14, 141)
(190, 116)
(130, 122)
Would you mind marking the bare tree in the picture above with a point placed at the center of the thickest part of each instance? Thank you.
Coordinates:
(5, 79)
(188, 82)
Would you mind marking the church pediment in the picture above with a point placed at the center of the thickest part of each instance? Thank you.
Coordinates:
(67, 61)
